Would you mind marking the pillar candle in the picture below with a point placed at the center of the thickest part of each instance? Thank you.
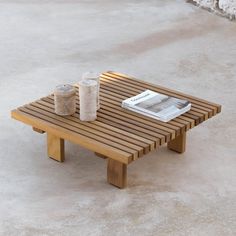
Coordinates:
(88, 100)
(65, 100)
(93, 76)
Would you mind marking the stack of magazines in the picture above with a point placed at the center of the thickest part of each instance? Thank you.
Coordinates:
(156, 105)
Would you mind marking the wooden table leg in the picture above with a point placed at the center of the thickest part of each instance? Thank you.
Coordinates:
(116, 173)
(55, 147)
(178, 144)
(100, 155)
(38, 130)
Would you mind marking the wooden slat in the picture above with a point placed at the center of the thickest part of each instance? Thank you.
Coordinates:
(137, 89)
(147, 139)
(200, 101)
(156, 141)
(148, 124)
(192, 99)
(163, 136)
(133, 91)
(157, 137)
(116, 87)
(122, 112)
(109, 100)
(90, 127)
(170, 124)
(63, 122)
(117, 133)
(206, 111)
(182, 127)
(182, 120)
(160, 139)
(72, 136)
(148, 120)
(145, 143)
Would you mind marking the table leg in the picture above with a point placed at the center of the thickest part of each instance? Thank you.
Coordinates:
(55, 147)
(100, 155)
(178, 144)
(116, 173)
(38, 130)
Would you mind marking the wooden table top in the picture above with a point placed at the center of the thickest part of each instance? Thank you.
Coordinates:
(118, 133)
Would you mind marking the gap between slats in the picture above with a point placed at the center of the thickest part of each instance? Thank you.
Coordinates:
(78, 129)
(181, 120)
(71, 135)
(203, 103)
(160, 139)
(119, 85)
(120, 138)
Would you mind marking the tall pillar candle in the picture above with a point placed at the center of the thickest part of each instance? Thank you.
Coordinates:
(88, 100)
(93, 76)
(65, 100)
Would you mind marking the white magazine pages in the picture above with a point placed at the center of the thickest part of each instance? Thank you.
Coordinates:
(156, 105)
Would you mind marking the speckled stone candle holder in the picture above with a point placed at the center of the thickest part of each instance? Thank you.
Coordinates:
(65, 100)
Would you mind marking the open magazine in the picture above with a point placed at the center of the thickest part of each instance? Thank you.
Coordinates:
(156, 105)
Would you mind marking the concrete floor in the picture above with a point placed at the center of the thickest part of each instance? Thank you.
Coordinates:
(171, 43)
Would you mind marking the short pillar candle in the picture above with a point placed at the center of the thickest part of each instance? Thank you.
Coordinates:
(65, 100)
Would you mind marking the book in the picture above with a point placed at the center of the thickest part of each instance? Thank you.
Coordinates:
(157, 105)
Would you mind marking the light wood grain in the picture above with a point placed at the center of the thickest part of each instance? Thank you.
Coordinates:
(78, 127)
(55, 147)
(178, 144)
(105, 128)
(38, 130)
(116, 84)
(100, 155)
(119, 134)
(195, 100)
(116, 173)
(70, 135)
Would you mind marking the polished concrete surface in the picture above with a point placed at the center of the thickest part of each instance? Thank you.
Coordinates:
(171, 43)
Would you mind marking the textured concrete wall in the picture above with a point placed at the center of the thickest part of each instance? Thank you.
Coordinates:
(225, 7)
(228, 6)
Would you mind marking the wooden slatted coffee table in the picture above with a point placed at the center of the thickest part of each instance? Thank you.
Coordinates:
(118, 134)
